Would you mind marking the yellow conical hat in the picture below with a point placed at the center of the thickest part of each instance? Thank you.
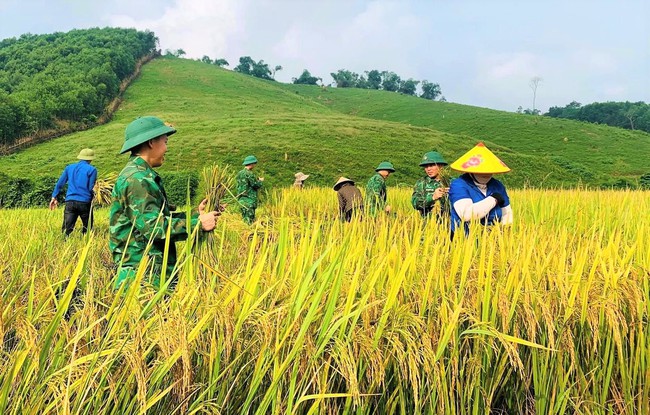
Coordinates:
(480, 160)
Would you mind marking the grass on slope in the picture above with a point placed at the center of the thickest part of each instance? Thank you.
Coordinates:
(222, 116)
(585, 149)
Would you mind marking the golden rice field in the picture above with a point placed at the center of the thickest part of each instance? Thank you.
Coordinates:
(305, 315)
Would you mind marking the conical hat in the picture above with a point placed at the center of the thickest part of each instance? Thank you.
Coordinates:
(480, 160)
(301, 176)
(341, 181)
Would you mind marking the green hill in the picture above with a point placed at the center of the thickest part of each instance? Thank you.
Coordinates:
(222, 116)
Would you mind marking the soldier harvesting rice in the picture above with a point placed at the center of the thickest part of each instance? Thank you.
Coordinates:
(376, 193)
(140, 213)
(431, 189)
(247, 186)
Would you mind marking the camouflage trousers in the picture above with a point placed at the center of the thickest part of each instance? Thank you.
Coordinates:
(126, 275)
(247, 212)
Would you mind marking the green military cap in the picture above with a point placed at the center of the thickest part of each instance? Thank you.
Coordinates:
(86, 154)
(386, 165)
(249, 160)
(432, 157)
(144, 129)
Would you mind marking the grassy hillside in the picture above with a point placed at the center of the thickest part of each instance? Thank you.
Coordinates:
(222, 116)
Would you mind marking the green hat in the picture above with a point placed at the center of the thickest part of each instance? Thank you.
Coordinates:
(249, 160)
(386, 165)
(142, 130)
(432, 157)
(86, 154)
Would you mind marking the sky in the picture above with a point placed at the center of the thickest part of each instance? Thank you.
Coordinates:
(482, 53)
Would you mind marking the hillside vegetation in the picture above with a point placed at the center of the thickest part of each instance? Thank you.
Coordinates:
(48, 81)
(586, 150)
(222, 116)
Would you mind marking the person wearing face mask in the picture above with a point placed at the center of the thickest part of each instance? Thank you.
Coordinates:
(476, 195)
(431, 189)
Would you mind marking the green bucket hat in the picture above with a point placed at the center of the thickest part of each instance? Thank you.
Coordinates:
(249, 160)
(142, 130)
(386, 165)
(86, 154)
(433, 157)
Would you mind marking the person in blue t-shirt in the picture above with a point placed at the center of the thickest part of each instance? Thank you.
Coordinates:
(476, 195)
(80, 177)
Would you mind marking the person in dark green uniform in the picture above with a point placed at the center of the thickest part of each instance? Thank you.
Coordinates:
(376, 194)
(141, 218)
(430, 189)
(247, 186)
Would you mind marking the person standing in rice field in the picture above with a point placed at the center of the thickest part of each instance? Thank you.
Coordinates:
(140, 215)
(247, 186)
(431, 190)
(300, 178)
(350, 199)
(80, 177)
(376, 194)
(476, 195)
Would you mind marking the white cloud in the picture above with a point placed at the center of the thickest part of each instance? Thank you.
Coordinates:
(595, 61)
(198, 27)
(509, 66)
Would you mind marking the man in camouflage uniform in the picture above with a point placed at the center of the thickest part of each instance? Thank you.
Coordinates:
(140, 214)
(376, 189)
(247, 186)
(430, 189)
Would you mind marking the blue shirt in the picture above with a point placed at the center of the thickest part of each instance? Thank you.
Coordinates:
(81, 179)
(464, 188)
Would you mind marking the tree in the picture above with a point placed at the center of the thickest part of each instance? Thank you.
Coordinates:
(409, 86)
(245, 66)
(306, 79)
(276, 69)
(206, 59)
(373, 79)
(65, 78)
(248, 66)
(261, 70)
(534, 83)
(390, 81)
(345, 78)
(430, 90)
(221, 62)
(632, 113)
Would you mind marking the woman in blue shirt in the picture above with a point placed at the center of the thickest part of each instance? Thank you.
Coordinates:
(476, 195)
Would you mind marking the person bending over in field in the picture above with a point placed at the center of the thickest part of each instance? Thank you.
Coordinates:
(247, 186)
(431, 190)
(350, 199)
(299, 181)
(140, 213)
(376, 194)
(80, 177)
(476, 195)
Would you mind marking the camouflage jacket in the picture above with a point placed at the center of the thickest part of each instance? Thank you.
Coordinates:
(376, 193)
(247, 186)
(140, 213)
(422, 198)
